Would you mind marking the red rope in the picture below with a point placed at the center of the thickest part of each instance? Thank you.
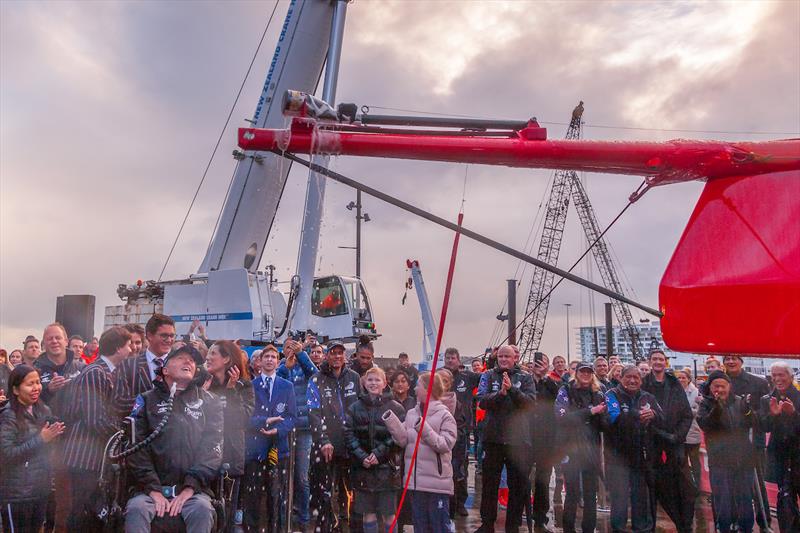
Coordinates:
(439, 335)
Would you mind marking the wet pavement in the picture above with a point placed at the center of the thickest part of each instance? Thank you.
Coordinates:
(703, 516)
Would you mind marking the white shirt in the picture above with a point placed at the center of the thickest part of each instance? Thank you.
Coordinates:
(264, 377)
(151, 365)
(111, 365)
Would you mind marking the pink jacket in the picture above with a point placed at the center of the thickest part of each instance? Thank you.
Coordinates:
(433, 471)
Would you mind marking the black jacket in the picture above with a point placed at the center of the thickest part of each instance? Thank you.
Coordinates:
(62, 400)
(578, 429)
(747, 384)
(630, 441)
(25, 458)
(507, 416)
(464, 384)
(366, 433)
(328, 400)
(783, 452)
(727, 431)
(670, 436)
(238, 404)
(188, 452)
(543, 418)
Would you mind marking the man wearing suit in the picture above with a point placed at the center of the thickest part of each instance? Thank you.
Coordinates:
(136, 374)
(267, 449)
(92, 424)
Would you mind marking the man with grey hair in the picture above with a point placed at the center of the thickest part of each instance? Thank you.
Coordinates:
(779, 414)
(633, 414)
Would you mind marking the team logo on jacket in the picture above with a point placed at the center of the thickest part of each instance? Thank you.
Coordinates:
(161, 407)
(193, 409)
(461, 386)
(280, 408)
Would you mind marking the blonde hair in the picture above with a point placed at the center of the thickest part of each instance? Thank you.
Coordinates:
(374, 370)
(56, 325)
(447, 376)
(438, 384)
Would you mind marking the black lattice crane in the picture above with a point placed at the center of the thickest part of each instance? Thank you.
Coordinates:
(566, 185)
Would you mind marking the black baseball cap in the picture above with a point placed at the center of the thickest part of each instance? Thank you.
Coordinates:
(335, 344)
(584, 366)
(187, 349)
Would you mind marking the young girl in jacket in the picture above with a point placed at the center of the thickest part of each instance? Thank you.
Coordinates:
(431, 483)
(375, 459)
(25, 433)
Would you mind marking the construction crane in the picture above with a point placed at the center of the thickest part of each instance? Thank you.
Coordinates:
(428, 324)
(566, 185)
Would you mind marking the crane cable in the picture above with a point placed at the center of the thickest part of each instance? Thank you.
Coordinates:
(219, 140)
(642, 188)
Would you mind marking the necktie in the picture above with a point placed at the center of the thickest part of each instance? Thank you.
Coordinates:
(268, 387)
(158, 363)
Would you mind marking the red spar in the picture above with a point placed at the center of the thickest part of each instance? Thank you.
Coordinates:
(733, 283)
(661, 162)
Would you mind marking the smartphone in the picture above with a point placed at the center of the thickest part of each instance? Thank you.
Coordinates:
(538, 357)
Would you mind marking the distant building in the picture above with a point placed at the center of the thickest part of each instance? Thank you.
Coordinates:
(589, 338)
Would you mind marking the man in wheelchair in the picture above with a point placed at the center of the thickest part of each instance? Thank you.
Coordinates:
(174, 475)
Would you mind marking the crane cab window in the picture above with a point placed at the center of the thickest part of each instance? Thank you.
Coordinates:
(328, 298)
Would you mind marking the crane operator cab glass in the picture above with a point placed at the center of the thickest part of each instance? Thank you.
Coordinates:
(341, 309)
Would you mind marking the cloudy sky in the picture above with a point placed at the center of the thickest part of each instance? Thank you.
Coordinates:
(109, 112)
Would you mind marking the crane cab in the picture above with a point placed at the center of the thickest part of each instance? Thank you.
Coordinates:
(340, 309)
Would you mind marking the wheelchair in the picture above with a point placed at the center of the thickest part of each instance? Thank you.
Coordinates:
(115, 487)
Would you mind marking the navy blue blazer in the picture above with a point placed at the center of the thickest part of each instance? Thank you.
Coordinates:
(282, 403)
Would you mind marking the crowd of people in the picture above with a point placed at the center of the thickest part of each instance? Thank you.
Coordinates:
(306, 438)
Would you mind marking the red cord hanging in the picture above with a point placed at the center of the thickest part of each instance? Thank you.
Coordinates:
(439, 335)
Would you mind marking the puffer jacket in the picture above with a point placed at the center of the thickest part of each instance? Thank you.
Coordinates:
(433, 469)
(693, 395)
(727, 429)
(507, 415)
(238, 404)
(26, 471)
(188, 452)
(366, 433)
(578, 428)
(299, 375)
(328, 398)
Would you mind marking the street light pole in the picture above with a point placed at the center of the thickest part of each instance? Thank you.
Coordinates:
(359, 217)
(568, 351)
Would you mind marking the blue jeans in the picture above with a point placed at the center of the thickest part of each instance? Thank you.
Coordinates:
(430, 511)
(732, 491)
(302, 488)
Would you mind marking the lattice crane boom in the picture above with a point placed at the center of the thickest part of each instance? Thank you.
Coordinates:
(549, 247)
(605, 265)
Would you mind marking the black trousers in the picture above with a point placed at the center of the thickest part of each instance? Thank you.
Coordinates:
(517, 460)
(760, 460)
(693, 456)
(580, 481)
(24, 517)
(541, 491)
(263, 480)
(674, 490)
(629, 488)
(328, 481)
(84, 489)
(788, 496)
(460, 460)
